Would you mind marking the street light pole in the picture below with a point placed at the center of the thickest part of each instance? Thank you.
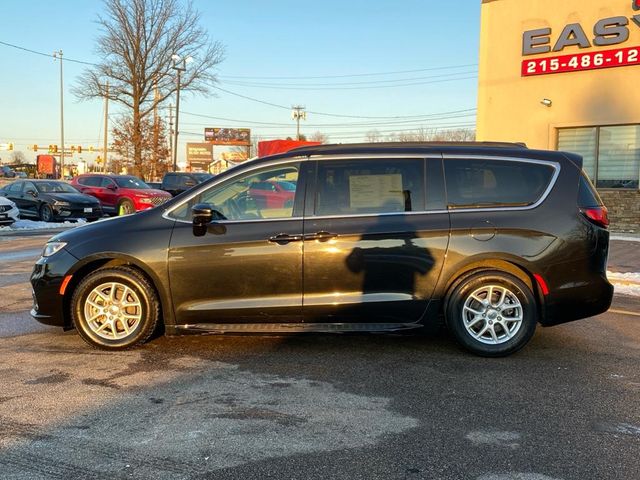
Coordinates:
(58, 55)
(179, 65)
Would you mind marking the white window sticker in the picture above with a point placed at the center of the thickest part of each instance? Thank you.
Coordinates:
(371, 191)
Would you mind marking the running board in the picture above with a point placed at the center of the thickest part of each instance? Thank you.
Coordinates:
(296, 327)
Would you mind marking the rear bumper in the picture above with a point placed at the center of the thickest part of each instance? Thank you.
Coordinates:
(577, 303)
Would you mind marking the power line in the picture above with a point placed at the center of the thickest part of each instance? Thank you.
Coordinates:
(337, 115)
(45, 54)
(328, 125)
(353, 84)
(351, 75)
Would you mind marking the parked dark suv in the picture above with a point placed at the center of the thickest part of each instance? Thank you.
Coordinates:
(380, 237)
(177, 182)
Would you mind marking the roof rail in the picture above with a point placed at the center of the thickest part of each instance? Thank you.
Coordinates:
(410, 145)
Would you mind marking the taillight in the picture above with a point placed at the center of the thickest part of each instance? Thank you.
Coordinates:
(597, 215)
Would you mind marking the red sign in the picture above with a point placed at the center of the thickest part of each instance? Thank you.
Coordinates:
(578, 62)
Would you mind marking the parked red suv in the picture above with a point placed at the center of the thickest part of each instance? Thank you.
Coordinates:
(120, 194)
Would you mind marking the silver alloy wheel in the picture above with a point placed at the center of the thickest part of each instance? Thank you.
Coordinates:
(113, 310)
(492, 314)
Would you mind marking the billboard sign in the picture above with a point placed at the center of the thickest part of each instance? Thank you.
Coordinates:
(228, 136)
(199, 156)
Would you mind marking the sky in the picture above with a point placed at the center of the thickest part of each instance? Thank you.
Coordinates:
(272, 51)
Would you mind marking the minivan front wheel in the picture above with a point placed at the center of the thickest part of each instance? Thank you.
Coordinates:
(492, 314)
(115, 308)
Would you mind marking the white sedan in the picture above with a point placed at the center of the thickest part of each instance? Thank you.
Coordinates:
(8, 212)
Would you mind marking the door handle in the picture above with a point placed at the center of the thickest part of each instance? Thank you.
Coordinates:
(284, 238)
(321, 236)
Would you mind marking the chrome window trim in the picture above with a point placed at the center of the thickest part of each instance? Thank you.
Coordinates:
(197, 191)
(555, 165)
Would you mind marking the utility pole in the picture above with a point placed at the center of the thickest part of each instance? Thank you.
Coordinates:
(106, 127)
(58, 55)
(156, 126)
(179, 65)
(171, 130)
(298, 113)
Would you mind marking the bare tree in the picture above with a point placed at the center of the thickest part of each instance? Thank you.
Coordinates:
(18, 158)
(319, 137)
(433, 135)
(154, 154)
(136, 46)
(373, 136)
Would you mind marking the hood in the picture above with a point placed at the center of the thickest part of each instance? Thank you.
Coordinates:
(77, 198)
(152, 192)
(5, 201)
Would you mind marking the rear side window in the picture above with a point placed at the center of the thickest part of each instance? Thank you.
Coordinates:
(169, 180)
(369, 186)
(495, 183)
(587, 194)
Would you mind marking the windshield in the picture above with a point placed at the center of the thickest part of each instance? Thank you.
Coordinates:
(131, 182)
(55, 187)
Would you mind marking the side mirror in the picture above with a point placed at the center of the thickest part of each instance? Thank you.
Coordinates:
(202, 214)
(112, 186)
(33, 193)
(189, 183)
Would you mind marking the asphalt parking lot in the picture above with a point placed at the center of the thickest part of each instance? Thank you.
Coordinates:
(307, 407)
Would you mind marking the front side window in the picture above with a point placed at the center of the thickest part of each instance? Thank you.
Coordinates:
(495, 183)
(239, 199)
(15, 187)
(360, 187)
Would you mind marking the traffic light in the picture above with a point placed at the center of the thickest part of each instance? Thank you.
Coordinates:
(91, 148)
(35, 148)
(10, 146)
(55, 149)
(72, 148)
(79, 149)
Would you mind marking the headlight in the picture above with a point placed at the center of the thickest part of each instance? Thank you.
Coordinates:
(52, 247)
(58, 203)
(145, 200)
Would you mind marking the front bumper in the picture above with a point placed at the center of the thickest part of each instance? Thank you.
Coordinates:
(10, 216)
(46, 279)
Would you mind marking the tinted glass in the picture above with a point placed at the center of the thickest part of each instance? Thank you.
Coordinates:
(15, 187)
(236, 198)
(55, 187)
(489, 183)
(131, 182)
(201, 177)
(289, 186)
(169, 180)
(90, 181)
(369, 186)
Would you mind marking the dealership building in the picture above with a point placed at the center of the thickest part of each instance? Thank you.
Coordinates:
(565, 75)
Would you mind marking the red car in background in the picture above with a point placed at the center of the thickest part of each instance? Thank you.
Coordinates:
(273, 194)
(120, 194)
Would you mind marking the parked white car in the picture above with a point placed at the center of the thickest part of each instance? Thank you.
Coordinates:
(8, 212)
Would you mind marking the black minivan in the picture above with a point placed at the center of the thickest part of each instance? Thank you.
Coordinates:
(494, 237)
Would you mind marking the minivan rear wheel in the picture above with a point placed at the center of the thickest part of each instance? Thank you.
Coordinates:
(115, 308)
(492, 313)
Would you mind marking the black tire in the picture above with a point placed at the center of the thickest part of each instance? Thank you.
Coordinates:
(125, 207)
(502, 328)
(45, 213)
(148, 309)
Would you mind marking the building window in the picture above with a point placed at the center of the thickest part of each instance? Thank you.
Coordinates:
(611, 154)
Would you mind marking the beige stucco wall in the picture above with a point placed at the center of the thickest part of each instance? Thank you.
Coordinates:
(509, 106)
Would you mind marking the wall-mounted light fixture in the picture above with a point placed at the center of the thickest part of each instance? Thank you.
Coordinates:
(546, 102)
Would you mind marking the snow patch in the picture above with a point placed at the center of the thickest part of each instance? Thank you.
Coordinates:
(624, 238)
(625, 283)
(516, 476)
(498, 438)
(36, 225)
